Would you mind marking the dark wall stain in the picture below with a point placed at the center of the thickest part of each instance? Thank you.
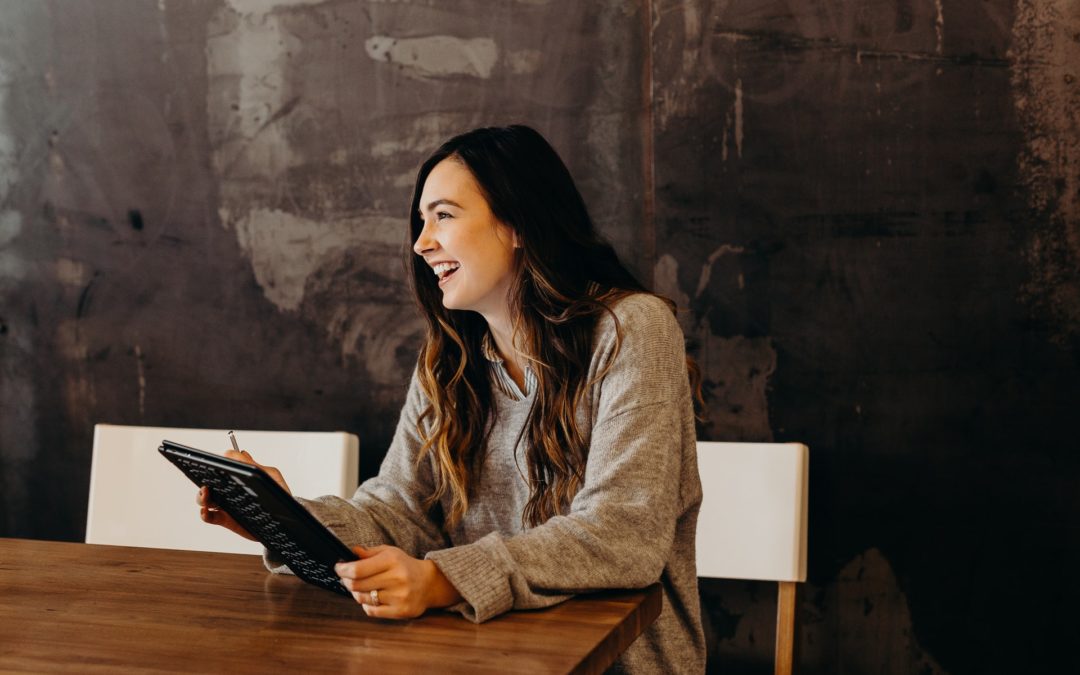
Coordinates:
(848, 186)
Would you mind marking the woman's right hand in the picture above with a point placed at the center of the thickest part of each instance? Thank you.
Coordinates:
(211, 513)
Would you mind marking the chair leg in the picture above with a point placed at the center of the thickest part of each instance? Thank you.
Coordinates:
(785, 628)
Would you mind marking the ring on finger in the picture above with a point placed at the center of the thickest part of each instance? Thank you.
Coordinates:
(374, 597)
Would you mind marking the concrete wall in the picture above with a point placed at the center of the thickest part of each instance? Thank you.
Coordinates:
(868, 210)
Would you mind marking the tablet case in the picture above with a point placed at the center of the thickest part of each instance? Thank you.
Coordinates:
(268, 512)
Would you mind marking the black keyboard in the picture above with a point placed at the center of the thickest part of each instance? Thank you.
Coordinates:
(268, 512)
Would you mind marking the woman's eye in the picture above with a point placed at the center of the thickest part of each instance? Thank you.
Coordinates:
(442, 215)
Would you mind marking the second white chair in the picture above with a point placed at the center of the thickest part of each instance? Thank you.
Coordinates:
(753, 523)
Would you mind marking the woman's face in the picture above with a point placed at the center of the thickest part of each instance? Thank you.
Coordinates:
(468, 249)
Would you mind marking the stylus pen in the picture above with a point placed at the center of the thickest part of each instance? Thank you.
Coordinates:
(235, 445)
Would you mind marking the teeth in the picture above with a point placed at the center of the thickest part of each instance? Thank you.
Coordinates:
(442, 269)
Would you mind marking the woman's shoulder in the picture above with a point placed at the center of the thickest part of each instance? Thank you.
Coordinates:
(638, 313)
(639, 341)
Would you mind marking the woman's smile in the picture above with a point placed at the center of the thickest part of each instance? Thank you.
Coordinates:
(444, 270)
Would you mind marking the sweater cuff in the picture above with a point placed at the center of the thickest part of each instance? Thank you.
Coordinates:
(274, 563)
(476, 575)
(333, 512)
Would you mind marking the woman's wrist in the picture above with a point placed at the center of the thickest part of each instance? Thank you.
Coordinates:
(441, 593)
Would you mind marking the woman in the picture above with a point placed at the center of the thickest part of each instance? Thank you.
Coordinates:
(547, 443)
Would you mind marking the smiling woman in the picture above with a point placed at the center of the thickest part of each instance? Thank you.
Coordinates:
(547, 444)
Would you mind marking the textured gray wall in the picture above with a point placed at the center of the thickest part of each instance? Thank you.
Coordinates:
(868, 210)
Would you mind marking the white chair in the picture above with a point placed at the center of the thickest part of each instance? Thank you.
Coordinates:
(753, 522)
(138, 498)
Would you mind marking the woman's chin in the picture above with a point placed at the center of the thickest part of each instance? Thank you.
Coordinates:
(448, 301)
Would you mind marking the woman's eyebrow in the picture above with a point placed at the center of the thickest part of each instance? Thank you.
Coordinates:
(437, 202)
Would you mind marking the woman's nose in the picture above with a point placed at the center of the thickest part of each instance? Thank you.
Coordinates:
(424, 242)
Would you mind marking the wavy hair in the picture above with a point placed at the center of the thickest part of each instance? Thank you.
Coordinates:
(565, 277)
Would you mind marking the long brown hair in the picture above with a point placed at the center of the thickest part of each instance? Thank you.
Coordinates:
(566, 277)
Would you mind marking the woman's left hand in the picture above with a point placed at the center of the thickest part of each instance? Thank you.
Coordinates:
(405, 587)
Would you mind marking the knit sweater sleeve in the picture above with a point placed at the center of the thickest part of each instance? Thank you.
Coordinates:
(386, 509)
(619, 530)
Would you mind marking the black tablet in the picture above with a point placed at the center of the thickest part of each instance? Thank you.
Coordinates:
(268, 512)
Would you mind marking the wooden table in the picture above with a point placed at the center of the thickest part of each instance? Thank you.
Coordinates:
(80, 607)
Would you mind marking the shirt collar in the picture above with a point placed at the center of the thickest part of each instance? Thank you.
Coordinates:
(491, 353)
(487, 347)
(502, 378)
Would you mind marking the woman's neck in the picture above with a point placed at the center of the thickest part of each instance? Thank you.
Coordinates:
(502, 332)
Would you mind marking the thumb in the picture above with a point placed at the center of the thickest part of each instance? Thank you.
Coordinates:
(251, 460)
(241, 456)
(367, 551)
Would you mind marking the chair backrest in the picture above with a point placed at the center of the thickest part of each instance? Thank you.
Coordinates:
(138, 498)
(753, 518)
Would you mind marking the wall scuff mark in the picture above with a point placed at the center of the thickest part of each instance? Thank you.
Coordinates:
(11, 266)
(439, 55)
(140, 369)
(735, 369)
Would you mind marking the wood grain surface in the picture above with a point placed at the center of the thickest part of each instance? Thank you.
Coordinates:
(78, 607)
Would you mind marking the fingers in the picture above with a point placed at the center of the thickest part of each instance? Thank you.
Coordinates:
(370, 563)
(382, 611)
(223, 519)
(390, 571)
(392, 605)
(369, 551)
(241, 456)
(212, 516)
(379, 582)
(245, 457)
(203, 498)
(210, 513)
